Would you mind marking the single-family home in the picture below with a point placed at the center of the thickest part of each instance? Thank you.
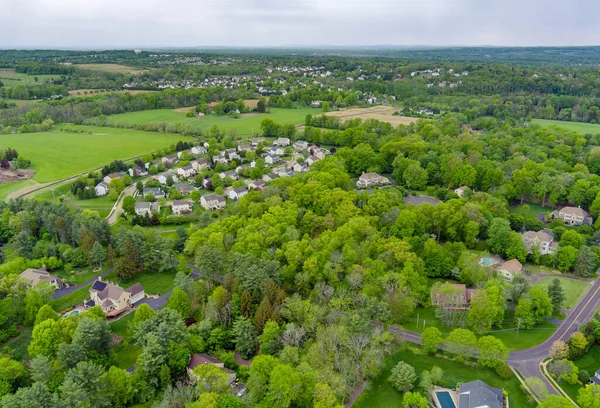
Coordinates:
(281, 141)
(204, 359)
(573, 216)
(272, 159)
(181, 207)
(300, 145)
(189, 152)
(142, 208)
(155, 191)
(320, 153)
(137, 172)
(255, 184)
(199, 150)
(283, 171)
(269, 177)
(275, 151)
(162, 179)
(509, 269)
(542, 240)
(220, 158)
(35, 276)
(110, 177)
(112, 298)
(212, 202)
(232, 154)
(246, 148)
(254, 141)
(460, 191)
(237, 193)
(207, 183)
(229, 173)
(596, 378)
(183, 188)
(101, 189)
(170, 160)
(301, 167)
(371, 179)
(186, 171)
(452, 296)
(312, 159)
(200, 165)
(477, 394)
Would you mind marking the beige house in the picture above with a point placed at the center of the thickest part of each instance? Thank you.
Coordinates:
(112, 298)
(573, 216)
(35, 276)
(542, 240)
(108, 178)
(181, 207)
(204, 359)
(143, 208)
(452, 296)
(461, 190)
(509, 269)
(186, 171)
(371, 179)
(200, 164)
(282, 141)
(212, 202)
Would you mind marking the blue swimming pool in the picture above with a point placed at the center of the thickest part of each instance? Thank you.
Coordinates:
(445, 399)
(486, 261)
(74, 312)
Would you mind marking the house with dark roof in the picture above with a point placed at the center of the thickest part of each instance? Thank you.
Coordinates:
(204, 359)
(477, 394)
(212, 202)
(155, 191)
(180, 207)
(112, 298)
(35, 276)
(184, 188)
(451, 296)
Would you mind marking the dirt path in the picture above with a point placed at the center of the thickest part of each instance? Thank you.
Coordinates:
(26, 189)
(356, 393)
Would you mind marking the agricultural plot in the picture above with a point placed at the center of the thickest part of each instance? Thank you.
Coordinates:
(12, 78)
(246, 124)
(382, 113)
(112, 68)
(574, 126)
(57, 155)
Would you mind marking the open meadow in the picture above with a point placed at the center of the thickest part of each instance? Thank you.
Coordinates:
(574, 126)
(112, 68)
(56, 155)
(246, 124)
(382, 113)
(12, 78)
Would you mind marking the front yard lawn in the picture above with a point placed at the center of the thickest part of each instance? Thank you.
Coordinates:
(574, 288)
(153, 282)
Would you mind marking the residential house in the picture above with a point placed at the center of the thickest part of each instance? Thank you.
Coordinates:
(101, 189)
(232, 154)
(300, 144)
(183, 188)
(269, 177)
(255, 141)
(315, 104)
(155, 191)
(312, 159)
(199, 150)
(255, 184)
(189, 152)
(246, 148)
(142, 208)
(271, 159)
(451, 296)
(186, 171)
(207, 183)
(181, 207)
(542, 240)
(301, 167)
(35, 276)
(461, 190)
(162, 179)
(596, 378)
(283, 171)
(281, 141)
(320, 153)
(477, 394)
(212, 202)
(275, 151)
(110, 177)
(573, 216)
(170, 160)
(200, 165)
(137, 172)
(220, 158)
(509, 269)
(229, 173)
(371, 179)
(237, 193)
(204, 359)
(112, 298)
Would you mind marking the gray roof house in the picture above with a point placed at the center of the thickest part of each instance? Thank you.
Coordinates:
(477, 394)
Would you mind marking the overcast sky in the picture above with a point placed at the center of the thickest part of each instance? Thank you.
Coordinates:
(183, 23)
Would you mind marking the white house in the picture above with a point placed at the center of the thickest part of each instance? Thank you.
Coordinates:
(300, 144)
(271, 159)
(543, 240)
(186, 171)
(371, 179)
(212, 202)
(137, 172)
(162, 179)
(101, 189)
(200, 165)
(461, 190)
(143, 208)
(155, 191)
(110, 177)
(282, 141)
(199, 150)
(573, 216)
(301, 167)
(237, 193)
(181, 207)
(229, 173)
(275, 151)
(220, 159)
(246, 148)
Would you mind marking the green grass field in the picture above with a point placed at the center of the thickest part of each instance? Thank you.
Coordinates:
(12, 78)
(574, 289)
(72, 299)
(56, 155)
(153, 282)
(102, 205)
(381, 394)
(7, 188)
(574, 126)
(244, 125)
(529, 210)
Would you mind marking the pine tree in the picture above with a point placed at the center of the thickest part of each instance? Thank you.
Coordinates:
(557, 296)
(263, 315)
(110, 256)
(246, 304)
(128, 265)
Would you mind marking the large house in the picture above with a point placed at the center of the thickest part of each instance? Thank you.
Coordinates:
(155, 191)
(256, 184)
(181, 207)
(542, 240)
(137, 171)
(101, 189)
(112, 298)
(237, 193)
(212, 202)
(300, 144)
(199, 150)
(35, 276)
(204, 359)
(477, 394)
(573, 216)
(461, 190)
(452, 296)
(110, 177)
(371, 179)
(229, 173)
(200, 165)
(184, 188)
(254, 141)
(170, 160)
(163, 178)
(272, 159)
(281, 141)
(509, 269)
(143, 208)
(186, 171)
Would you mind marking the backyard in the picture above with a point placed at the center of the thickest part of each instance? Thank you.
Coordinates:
(381, 394)
(574, 289)
(153, 282)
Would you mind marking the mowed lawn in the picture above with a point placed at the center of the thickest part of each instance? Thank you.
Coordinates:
(245, 125)
(574, 289)
(574, 126)
(57, 155)
(381, 394)
(7, 188)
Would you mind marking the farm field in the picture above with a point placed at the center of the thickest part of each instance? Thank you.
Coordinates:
(7, 188)
(247, 124)
(21, 102)
(381, 394)
(574, 126)
(91, 92)
(112, 68)
(12, 78)
(382, 113)
(57, 155)
(574, 289)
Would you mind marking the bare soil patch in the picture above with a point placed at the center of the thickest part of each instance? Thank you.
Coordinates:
(114, 68)
(184, 110)
(7, 176)
(382, 113)
(251, 103)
